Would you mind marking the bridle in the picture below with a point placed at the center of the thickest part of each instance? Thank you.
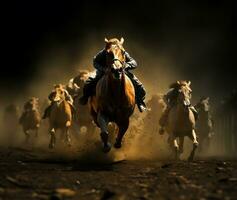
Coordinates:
(121, 62)
(116, 59)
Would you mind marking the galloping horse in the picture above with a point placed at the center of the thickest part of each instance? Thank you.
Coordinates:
(114, 100)
(30, 118)
(75, 87)
(60, 116)
(204, 126)
(181, 122)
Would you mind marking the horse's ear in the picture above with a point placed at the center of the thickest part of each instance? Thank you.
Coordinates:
(189, 83)
(207, 98)
(178, 82)
(121, 40)
(106, 40)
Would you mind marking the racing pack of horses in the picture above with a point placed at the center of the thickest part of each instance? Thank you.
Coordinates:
(114, 102)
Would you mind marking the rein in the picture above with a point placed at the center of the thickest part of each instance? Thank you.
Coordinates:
(121, 62)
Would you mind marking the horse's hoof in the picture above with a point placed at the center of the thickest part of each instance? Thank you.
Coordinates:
(51, 146)
(117, 145)
(106, 148)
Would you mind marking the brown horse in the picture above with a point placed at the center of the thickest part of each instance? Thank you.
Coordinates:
(30, 118)
(181, 122)
(204, 126)
(75, 87)
(114, 100)
(60, 116)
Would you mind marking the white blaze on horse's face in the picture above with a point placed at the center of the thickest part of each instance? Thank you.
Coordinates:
(115, 60)
(33, 103)
(205, 105)
(185, 95)
(58, 95)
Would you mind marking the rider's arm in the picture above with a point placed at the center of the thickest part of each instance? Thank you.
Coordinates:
(130, 62)
(99, 61)
(68, 97)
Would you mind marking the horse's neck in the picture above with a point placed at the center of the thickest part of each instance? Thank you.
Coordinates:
(117, 85)
(203, 115)
(182, 109)
(61, 104)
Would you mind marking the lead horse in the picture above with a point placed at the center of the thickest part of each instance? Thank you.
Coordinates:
(181, 122)
(114, 99)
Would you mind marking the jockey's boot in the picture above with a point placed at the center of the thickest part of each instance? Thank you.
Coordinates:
(141, 106)
(89, 89)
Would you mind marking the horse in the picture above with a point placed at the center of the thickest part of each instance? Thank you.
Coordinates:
(204, 126)
(181, 122)
(30, 118)
(114, 99)
(74, 87)
(156, 107)
(60, 116)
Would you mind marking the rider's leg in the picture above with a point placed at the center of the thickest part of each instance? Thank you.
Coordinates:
(89, 87)
(47, 112)
(139, 92)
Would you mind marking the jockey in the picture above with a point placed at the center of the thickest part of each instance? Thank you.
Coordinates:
(68, 98)
(170, 99)
(99, 63)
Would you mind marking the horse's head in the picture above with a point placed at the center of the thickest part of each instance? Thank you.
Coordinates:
(115, 56)
(58, 94)
(185, 94)
(32, 104)
(204, 104)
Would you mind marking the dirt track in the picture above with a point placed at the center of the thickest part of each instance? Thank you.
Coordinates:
(29, 175)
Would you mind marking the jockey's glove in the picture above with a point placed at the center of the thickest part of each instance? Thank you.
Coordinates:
(128, 66)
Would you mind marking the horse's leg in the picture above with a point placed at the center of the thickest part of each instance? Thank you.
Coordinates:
(193, 137)
(27, 136)
(103, 124)
(52, 138)
(181, 145)
(170, 142)
(176, 148)
(68, 138)
(200, 144)
(36, 132)
(122, 130)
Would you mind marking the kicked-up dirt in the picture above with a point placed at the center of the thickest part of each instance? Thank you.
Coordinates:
(28, 174)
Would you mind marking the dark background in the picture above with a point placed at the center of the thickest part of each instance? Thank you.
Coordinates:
(197, 35)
